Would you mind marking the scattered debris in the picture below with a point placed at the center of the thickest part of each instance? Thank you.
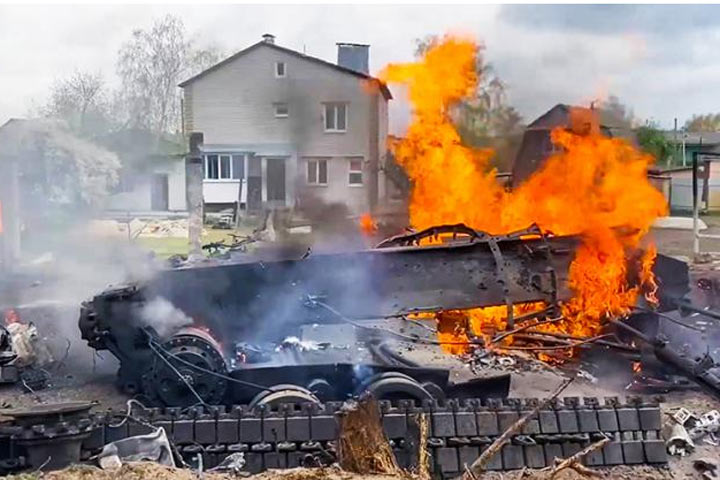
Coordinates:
(682, 415)
(233, 463)
(294, 343)
(27, 345)
(587, 376)
(8, 373)
(153, 447)
(707, 468)
(708, 424)
(687, 428)
(679, 442)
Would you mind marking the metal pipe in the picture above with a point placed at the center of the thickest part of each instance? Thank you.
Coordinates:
(708, 313)
(696, 370)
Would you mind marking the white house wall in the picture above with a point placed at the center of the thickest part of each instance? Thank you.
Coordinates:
(337, 189)
(221, 191)
(139, 198)
(234, 105)
(177, 196)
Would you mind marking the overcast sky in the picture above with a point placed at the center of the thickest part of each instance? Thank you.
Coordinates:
(660, 60)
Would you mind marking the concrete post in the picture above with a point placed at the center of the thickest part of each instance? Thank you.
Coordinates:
(194, 173)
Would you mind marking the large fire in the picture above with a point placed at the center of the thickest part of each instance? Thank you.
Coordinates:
(592, 185)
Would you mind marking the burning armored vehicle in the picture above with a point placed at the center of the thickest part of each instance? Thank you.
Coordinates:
(327, 326)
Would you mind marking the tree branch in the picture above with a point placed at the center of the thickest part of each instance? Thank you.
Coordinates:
(479, 465)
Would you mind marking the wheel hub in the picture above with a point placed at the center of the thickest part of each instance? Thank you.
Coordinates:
(189, 369)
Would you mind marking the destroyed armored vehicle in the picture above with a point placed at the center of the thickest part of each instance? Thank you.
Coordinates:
(326, 326)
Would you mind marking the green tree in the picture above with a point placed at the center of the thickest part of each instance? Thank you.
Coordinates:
(486, 120)
(703, 123)
(653, 141)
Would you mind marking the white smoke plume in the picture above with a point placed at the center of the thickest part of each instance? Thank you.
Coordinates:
(164, 317)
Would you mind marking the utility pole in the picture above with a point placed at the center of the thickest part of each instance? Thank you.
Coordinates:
(675, 140)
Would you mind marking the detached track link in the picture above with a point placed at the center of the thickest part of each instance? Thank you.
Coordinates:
(459, 431)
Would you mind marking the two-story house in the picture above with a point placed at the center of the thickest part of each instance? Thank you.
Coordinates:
(281, 127)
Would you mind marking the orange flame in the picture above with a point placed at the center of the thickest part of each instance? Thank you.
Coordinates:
(367, 224)
(592, 186)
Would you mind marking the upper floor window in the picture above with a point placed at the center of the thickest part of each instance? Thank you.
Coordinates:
(280, 70)
(281, 110)
(224, 166)
(335, 117)
(317, 171)
(355, 175)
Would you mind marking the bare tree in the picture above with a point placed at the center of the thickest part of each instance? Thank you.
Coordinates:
(81, 101)
(703, 123)
(150, 65)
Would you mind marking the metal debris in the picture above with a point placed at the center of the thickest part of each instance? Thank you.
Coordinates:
(707, 468)
(294, 343)
(709, 423)
(233, 463)
(497, 361)
(682, 415)
(587, 376)
(27, 345)
(154, 446)
(679, 442)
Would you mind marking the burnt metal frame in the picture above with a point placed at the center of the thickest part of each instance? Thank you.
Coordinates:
(234, 299)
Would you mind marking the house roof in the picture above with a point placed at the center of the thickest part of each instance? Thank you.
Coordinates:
(383, 88)
(560, 114)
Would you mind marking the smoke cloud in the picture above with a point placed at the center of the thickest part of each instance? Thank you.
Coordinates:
(164, 317)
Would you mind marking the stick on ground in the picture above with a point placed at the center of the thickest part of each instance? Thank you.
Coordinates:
(479, 465)
(573, 461)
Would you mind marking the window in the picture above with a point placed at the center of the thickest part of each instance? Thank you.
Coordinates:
(224, 167)
(212, 167)
(317, 171)
(281, 110)
(355, 177)
(279, 69)
(238, 166)
(336, 117)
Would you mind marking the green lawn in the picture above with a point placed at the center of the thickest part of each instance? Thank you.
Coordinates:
(165, 247)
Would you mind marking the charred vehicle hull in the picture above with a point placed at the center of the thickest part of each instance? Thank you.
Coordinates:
(215, 334)
(240, 312)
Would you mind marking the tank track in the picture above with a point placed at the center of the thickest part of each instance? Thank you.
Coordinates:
(293, 435)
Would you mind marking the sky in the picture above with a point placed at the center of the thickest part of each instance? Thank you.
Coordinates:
(661, 61)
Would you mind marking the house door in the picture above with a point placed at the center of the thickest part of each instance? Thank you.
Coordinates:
(276, 181)
(159, 192)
